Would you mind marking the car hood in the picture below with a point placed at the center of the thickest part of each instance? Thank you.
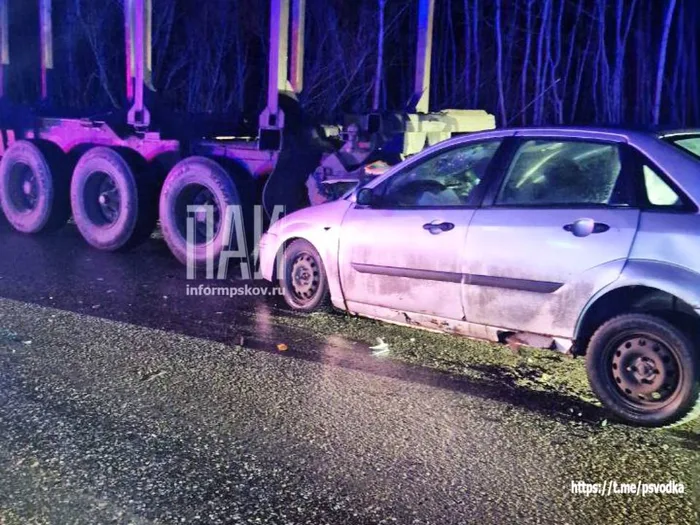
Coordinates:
(327, 215)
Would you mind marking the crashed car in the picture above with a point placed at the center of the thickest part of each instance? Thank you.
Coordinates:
(581, 240)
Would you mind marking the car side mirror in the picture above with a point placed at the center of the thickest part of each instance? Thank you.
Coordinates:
(366, 197)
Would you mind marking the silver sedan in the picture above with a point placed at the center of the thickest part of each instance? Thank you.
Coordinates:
(580, 240)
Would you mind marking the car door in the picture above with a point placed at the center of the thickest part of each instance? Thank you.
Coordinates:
(557, 228)
(405, 251)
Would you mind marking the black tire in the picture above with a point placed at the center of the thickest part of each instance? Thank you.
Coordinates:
(112, 198)
(34, 186)
(304, 282)
(197, 180)
(645, 370)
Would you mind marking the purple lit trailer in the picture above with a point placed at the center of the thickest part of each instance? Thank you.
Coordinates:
(118, 176)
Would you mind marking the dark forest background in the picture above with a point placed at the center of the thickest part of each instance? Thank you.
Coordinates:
(528, 62)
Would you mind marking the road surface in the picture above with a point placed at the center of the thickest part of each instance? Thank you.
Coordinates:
(123, 400)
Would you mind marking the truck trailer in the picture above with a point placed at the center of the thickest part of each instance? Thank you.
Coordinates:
(118, 177)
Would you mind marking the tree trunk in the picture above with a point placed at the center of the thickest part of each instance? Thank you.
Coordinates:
(467, 52)
(668, 19)
(477, 61)
(379, 72)
(499, 65)
(526, 62)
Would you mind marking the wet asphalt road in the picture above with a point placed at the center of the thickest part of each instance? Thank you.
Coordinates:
(122, 400)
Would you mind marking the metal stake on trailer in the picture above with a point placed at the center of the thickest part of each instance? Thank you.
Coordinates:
(137, 17)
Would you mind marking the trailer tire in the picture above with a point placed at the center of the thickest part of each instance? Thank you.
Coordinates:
(112, 198)
(197, 181)
(34, 186)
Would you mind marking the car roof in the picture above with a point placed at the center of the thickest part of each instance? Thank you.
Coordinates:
(675, 132)
(604, 132)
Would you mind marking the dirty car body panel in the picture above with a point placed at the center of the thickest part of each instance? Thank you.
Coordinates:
(406, 252)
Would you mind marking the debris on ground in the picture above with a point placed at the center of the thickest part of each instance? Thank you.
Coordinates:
(152, 376)
(282, 347)
(380, 348)
(477, 360)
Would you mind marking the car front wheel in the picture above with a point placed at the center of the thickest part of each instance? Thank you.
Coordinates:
(645, 370)
(303, 280)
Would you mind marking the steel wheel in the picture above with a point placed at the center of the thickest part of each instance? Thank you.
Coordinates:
(207, 222)
(23, 188)
(109, 200)
(646, 371)
(206, 198)
(303, 280)
(305, 277)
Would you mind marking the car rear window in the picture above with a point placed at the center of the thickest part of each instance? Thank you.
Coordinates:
(688, 143)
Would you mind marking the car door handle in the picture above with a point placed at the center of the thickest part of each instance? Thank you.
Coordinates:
(438, 227)
(585, 227)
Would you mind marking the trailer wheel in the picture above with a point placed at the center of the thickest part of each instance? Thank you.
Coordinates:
(34, 179)
(112, 199)
(197, 181)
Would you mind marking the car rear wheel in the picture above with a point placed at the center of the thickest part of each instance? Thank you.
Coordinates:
(304, 282)
(645, 370)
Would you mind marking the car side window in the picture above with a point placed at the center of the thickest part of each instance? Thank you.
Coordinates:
(445, 179)
(658, 192)
(567, 172)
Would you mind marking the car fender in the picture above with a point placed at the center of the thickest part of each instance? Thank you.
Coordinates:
(319, 225)
(675, 280)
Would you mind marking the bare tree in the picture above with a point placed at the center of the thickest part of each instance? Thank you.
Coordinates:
(530, 61)
(499, 64)
(668, 19)
(378, 74)
(476, 19)
(526, 60)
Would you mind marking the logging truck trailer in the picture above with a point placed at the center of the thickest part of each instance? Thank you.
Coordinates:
(118, 176)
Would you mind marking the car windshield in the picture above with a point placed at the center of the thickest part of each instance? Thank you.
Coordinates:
(688, 143)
